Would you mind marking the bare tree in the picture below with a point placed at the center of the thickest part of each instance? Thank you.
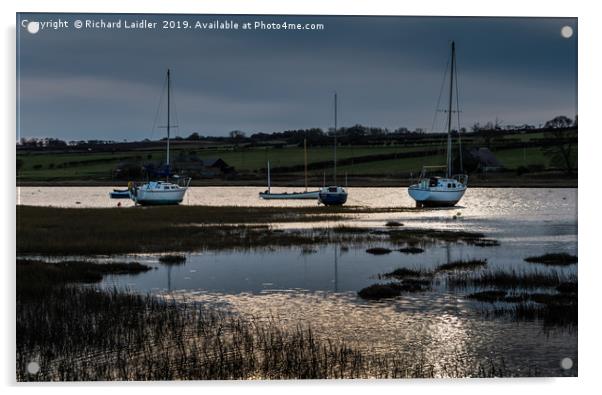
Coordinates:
(564, 137)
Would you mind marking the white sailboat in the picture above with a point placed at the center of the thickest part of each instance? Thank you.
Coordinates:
(433, 190)
(333, 195)
(161, 192)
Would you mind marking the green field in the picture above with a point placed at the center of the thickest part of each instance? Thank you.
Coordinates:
(251, 161)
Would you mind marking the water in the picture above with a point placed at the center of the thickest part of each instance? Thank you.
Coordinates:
(319, 287)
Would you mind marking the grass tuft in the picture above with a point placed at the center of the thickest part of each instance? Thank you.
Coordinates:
(393, 224)
(553, 259)
(403, 272)
(488, 296)
(173, 259)
(411, 250)
(471, 264)
(378, 251)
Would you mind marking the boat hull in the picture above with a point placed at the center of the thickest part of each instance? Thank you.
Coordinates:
(436, 198)
(333, 199)
(158, 197)
(293, 195)
(119, 194)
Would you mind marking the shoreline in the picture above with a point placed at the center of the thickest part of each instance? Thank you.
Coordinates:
(368, 183)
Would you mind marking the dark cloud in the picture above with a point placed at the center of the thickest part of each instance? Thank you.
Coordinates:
(79, 84)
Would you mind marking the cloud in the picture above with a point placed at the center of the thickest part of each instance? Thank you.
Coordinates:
(387, 70)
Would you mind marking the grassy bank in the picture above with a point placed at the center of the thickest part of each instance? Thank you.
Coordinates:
(76, 333)
(63, 231)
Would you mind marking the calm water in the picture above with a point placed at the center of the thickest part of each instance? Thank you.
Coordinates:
(319, 287)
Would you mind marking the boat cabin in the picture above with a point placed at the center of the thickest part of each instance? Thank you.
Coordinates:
(161, 186)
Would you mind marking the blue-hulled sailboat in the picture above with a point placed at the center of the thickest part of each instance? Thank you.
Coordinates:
(333, 195)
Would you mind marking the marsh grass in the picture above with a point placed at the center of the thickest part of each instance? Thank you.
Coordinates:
(64, 231)
(567, 287)
(173, 259)
(553, 259)
(380, 291)
(402, 272)
(552, 309)
(488, 296)
(85, 334)
(36, 275)
(393, 224)
(415, 236)
(486, 243)
(470, 264)
(378, 251)
(509, 279)
(411, 250)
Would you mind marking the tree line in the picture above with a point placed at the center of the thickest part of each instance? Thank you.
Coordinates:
(356, 134)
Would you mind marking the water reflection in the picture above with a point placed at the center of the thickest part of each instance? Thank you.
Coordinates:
(318, 287)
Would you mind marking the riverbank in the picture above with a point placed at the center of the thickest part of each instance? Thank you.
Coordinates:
(492, 180)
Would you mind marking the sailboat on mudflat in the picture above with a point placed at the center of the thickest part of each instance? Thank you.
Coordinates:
(161, 192)
(434, 190)
(268, 195)
(333, 195)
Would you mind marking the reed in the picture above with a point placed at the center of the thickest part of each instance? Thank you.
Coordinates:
(380, 291)
(417, 236)
(393, 224)
(553, 259)
(509, 279)
(84, 334)
(403, 272)
(471, 264)
(172, 259)
(61, 231)
(411, 250)
(378, 251)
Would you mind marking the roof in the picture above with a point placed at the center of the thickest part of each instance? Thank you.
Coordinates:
(213, 162)
(485, 157)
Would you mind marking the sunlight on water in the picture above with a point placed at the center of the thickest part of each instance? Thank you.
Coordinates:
(319, 287)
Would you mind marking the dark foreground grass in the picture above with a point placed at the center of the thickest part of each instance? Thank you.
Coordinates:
(84, 334)
(553, 309)
(553, 259)
(34, 275)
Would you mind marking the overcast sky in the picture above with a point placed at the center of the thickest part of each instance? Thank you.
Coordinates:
(106, 84)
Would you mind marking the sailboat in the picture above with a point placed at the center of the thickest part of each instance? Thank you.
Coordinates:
(161, 192)
(292, 195)
(333, 195)
(436, 190)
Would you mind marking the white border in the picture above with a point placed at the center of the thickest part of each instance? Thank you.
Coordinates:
(590, 67)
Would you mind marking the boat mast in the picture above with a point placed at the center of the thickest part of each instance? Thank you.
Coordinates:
(449, 110)
(269, 180)
(335, 139)
(168, 89)
(305, 159)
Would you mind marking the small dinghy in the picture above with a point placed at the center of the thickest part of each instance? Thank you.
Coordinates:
(268, 195)
(120, 194)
